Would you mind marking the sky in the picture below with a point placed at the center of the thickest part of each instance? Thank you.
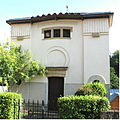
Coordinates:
(27, 8)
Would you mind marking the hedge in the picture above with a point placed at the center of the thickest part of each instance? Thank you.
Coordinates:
(92, 88)
(9, 105)
(82, 107)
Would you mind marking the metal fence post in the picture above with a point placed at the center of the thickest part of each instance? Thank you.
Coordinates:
(28, 107)
(42, 109)
(33, 109)
(37, 108)
(14, 107)
(19, 109)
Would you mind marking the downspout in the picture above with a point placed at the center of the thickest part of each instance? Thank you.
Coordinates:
(82, 53)
(29, 86)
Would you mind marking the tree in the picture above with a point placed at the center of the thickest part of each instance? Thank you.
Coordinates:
(114, 62)
(16, 65)
(114, 70)
(114, 80)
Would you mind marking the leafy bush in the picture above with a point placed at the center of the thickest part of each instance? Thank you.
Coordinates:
(92, 88)
(82, 107)
(9, 105)
(16, 65)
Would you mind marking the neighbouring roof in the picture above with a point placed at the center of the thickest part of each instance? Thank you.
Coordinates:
(114, 91)
(76, 16)
(114, 95)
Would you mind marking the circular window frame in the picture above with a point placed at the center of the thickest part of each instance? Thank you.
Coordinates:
(92, 78)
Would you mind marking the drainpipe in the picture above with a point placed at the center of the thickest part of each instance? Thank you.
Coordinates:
(82, 53)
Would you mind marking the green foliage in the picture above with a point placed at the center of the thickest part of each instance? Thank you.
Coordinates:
(114, 80)
(92, 88)
(114, 62)
(9, 103)
(114, 70)
(16, 65)
(82, 107)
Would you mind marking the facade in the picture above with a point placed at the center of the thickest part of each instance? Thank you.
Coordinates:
(73, 46)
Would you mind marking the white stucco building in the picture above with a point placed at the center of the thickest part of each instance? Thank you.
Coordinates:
(73, 46)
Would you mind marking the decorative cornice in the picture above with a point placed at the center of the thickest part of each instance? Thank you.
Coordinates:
(100, 33)
(56, 71)
(20, 38)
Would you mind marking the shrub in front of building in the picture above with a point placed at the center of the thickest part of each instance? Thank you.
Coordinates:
(82, 107)
(92, 88)
(9, 105)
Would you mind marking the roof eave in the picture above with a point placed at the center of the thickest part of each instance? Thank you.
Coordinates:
(61, 16)
(10, 22)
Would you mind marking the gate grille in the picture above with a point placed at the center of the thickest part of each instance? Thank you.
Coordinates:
(37, 110)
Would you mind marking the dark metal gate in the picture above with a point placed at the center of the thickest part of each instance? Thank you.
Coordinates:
(37, 110)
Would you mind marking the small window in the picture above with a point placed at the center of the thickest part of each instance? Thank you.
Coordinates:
(47, 34)
(66, 33)
(56, 32)
(96, 81)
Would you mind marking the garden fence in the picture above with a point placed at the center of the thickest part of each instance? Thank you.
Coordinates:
(37, 110)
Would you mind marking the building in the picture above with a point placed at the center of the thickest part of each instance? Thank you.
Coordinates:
(73, 46)
(114, 99)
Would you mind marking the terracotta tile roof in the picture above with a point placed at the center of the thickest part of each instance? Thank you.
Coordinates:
(77, 16)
